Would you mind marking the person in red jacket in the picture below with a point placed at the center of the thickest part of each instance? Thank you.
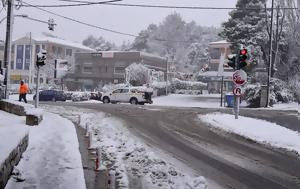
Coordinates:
(23, 91)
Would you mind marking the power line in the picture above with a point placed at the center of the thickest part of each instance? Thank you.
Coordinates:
(72, 5)
(105, 29)
(80, 22)
(111, 3)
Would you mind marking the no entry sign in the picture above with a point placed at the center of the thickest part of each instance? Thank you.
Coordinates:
(239, 77)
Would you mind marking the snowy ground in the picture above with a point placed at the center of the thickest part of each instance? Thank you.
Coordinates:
(182, 100)
(258, 130)
(130, 157)
(52, 159)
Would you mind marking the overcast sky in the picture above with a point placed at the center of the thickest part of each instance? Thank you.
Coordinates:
(125, 19)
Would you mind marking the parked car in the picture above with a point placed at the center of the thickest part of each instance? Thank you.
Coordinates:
(132, 95)
(51, 95)
(80, 96)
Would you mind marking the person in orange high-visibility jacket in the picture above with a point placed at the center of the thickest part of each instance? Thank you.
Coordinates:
(23, 91)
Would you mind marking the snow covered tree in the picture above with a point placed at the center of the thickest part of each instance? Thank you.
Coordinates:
(287, 59)
(247, 27)
(141, 43)
(137, 74)
(99, 44)
(176, 39)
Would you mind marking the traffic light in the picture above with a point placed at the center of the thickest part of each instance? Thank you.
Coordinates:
(41, 58)
(51, 24)
(243, 56)
(231, 60)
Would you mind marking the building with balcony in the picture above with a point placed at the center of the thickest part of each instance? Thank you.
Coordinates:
(95, 69)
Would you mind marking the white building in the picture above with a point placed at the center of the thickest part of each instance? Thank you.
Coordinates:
(24, 53)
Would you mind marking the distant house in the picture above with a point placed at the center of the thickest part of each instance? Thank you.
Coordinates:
(25, 51)
(218, 52)
(94, 69)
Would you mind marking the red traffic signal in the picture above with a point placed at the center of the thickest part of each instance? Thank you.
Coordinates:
(243, 58)
(243, 52)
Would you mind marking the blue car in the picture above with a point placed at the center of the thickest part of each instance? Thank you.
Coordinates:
(51, 95)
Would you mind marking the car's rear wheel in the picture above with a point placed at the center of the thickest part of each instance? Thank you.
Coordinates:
(106, 100)
(133, 101)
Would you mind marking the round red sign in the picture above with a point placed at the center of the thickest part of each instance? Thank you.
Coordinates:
(239, 77)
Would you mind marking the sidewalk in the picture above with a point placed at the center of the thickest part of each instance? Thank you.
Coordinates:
(52, 159)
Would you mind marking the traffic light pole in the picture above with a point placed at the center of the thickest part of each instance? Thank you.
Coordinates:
(37, 88)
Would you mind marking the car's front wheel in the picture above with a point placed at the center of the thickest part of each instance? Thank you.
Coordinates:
(106, 100)
(133, 101)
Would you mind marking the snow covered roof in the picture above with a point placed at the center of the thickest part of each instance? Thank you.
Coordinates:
(61, 42)
(151, 55)
(219, 42)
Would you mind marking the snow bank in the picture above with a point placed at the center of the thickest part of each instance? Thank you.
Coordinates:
(258, 130)
(52, 159)
(129, 156)
(12, 131)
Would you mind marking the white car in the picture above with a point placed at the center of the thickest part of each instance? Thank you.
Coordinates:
(132, 95)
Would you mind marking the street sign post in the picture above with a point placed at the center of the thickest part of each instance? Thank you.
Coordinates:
(239, 78)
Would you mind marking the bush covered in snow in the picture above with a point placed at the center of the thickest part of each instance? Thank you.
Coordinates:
(294, 83)
(279, 92)
(137, 74)
(187, 85)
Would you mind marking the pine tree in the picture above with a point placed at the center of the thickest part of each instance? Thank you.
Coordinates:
(246, 26)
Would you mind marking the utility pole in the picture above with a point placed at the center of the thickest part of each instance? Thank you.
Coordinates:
(298, 6)
(7, 48)
(167, 77)
(270, 55)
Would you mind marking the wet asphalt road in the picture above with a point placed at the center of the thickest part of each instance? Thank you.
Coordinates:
(229, 160)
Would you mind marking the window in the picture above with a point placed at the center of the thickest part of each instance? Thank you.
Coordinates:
(68, 52)
(59, 50)
(37, 49)
(87, 69)
(117, 91)
(54, 49)
(215, 53)
(125, 91)
(119, 69)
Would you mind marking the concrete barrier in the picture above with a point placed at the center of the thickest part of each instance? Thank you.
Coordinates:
(12, 108)
(12, 160)
(32, 119)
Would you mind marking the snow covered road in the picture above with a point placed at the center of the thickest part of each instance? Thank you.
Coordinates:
(223, 159)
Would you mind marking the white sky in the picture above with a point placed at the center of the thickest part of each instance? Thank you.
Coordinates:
(125, 19)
